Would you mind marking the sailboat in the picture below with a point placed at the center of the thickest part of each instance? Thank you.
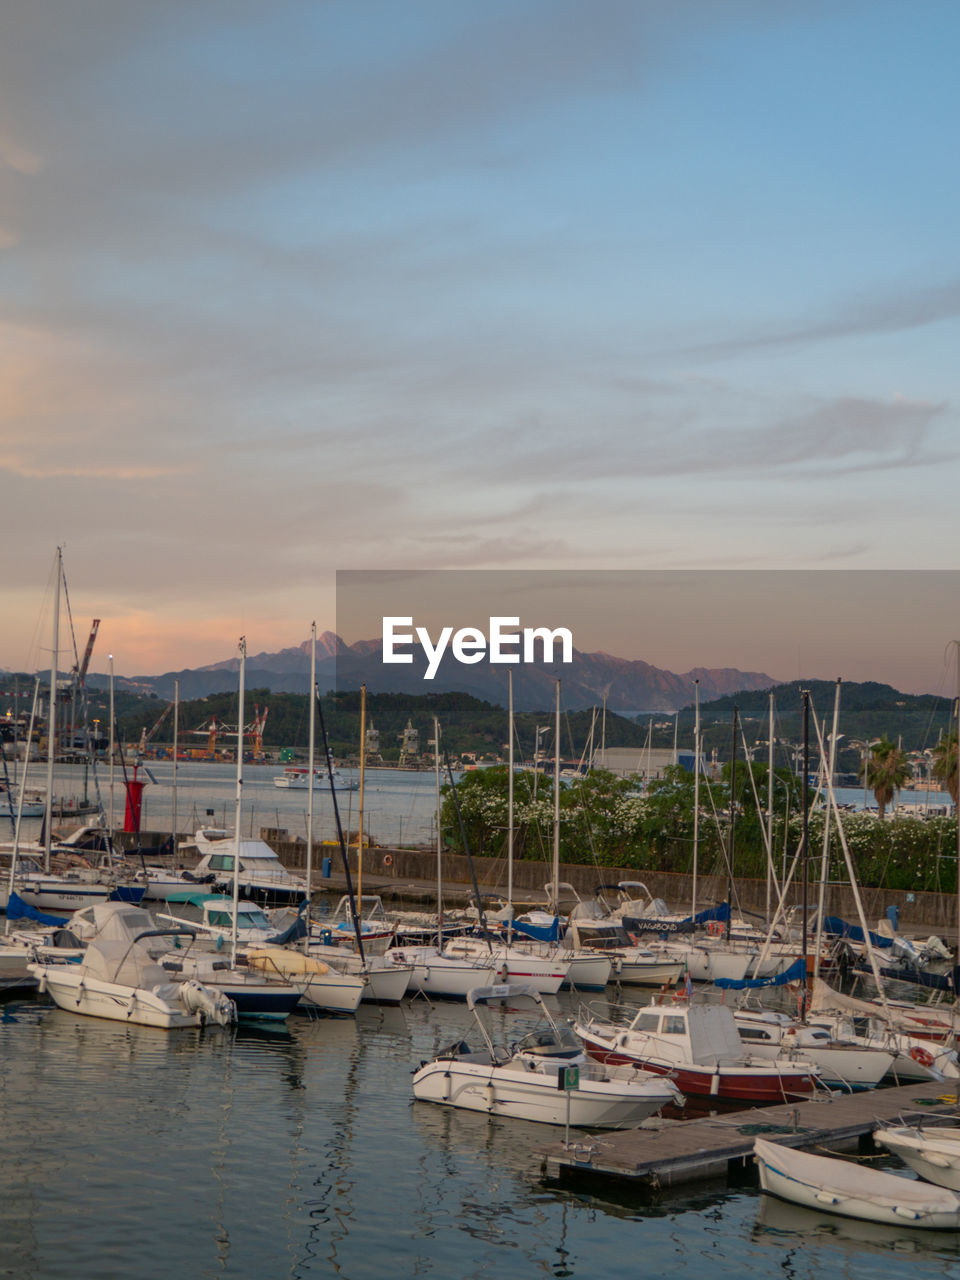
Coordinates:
(435, 971)
(545, 970)
(97, 876)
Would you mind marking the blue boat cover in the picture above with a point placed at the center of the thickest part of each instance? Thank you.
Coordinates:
(840, 929)
(796, 973)
(539, 933)
(17, 909)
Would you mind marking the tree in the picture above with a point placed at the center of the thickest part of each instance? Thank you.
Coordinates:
(945, 764)
(887, 769)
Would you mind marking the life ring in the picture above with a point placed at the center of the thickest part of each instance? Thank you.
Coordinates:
(388, 860)
(921, 1055)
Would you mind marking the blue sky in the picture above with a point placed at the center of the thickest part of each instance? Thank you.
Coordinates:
(296, 287)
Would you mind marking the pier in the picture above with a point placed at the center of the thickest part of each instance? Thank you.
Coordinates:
(665, 1153)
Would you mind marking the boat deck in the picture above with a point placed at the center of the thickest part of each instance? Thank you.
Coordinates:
(664, 1153)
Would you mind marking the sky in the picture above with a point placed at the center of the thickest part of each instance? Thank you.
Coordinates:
(295, 288)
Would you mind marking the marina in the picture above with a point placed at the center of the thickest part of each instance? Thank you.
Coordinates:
(301, 1152)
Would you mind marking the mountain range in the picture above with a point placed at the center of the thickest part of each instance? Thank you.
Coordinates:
(628, 685)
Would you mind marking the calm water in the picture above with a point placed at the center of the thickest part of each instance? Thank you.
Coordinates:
(129, 1152)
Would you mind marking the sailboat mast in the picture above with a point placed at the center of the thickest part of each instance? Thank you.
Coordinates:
(824, 857)
(52, 721)
(113, 746)
(20, 795)
(733, 821)
(176, 753)
(510, 805)
(769, 805)
(696, 794)
(805, 803)
(311, 764)
(556, 806)
(436, 779)
(238, 808)
(363, 761)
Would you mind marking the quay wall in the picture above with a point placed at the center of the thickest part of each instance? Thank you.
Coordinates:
(409, 874)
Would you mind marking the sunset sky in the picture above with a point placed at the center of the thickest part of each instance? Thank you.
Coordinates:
(289, 288)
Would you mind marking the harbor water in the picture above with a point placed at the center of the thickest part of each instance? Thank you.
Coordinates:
(142, 1154)
(399, 805)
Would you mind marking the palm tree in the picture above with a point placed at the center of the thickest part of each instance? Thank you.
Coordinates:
(945, 764)
(887, 769)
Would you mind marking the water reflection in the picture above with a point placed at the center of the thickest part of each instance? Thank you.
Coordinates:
(787, 1227)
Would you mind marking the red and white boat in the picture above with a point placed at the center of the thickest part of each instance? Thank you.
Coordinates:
(699, 1047)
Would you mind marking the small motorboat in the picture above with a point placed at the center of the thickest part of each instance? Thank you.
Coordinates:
(119, 977)
(698, 1046)
(850, 1190)
(524, 1081)
(931, 1151)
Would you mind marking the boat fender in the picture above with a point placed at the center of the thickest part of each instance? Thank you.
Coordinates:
(715, 927)
(388, 860)
(921, 1055)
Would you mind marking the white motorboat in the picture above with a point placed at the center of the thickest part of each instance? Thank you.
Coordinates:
(698, 1046)
(843, 1063)
(254, 927)
(524, 1081)
(261, 876)
(932, 1151)
(118, 977)
(296, 778)
(841, 1187)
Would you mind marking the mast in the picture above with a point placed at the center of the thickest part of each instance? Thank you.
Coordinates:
(113, 746)
(20, 794)
(311, 756)
(824, 866)
(176, 752)
(436, 779)
(556, 806)
(696, 794)
(363, 758)
(238, 808)
(805, 803)
(769, 807)
(733, 820)
(52, 721)
(510, 806)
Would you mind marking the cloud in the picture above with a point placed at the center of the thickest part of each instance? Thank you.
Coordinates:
(906, 308)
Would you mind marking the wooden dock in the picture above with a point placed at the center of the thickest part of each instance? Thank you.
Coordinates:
(664, 1153)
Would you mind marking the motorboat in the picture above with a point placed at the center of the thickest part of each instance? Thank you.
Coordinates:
(852, 1191)
(261, 876)
(698, 1045)
(297, 778)
(257, 996)
(843, 1064)
(524, 1081)
(932, 1151)
(119, 977)
(253, 926)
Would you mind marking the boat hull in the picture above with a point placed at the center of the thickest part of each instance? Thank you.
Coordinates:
(825, 1184)
(71, 991)
(522, 1095)
(757, 1085)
